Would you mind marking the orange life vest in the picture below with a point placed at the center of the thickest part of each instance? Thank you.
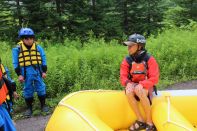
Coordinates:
(138, 71)
(3, 89)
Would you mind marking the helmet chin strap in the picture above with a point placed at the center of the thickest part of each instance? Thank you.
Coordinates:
(139, 55)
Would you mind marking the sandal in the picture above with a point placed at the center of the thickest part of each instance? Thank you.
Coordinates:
(150, 128)
(138, 125)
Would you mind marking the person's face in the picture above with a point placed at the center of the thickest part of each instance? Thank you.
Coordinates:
(28, 41)
(133, 48)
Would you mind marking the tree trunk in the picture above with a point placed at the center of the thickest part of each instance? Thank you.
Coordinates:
(93, 2)
(191, 8)
(19, 12)
(149, 18)
(125, 16)
(59, 23)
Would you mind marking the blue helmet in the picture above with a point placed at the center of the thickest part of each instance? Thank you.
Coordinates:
(26, 32)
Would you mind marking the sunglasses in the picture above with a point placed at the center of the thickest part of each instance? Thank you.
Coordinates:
(132, 45)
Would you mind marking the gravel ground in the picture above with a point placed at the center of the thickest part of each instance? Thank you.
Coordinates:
(39, 123)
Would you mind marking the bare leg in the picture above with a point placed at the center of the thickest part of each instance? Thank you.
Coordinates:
(142, 94)
(133, 103)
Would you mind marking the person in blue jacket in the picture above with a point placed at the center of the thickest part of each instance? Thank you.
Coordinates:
(6, 123)
(30, 65)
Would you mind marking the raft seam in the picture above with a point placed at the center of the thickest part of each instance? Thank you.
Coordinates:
(79, 114)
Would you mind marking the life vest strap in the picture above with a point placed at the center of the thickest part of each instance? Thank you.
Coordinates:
(2, 69)
(150, 93)
(39, 60)
(28, 55)
(1, 83)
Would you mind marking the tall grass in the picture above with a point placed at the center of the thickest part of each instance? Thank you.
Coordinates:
(96, 65)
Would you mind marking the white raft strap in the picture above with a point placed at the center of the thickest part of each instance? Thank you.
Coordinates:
(80, 114)
(173, 122)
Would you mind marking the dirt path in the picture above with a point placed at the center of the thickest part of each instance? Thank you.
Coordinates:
(184, 85)
(38, 123)
(32, 124)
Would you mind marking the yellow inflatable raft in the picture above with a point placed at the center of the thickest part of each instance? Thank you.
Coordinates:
(107, 110)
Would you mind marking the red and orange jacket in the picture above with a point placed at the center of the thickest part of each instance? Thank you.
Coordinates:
(152, 73)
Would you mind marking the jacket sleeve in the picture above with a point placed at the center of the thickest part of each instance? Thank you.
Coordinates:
(8, 73)
(15, 62)
(43, 57)
(124, 73)
(152, 74)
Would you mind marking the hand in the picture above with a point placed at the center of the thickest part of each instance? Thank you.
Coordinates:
(16, 96)
(130, 87)
(44, 75)
(21, 79)
(138, 88)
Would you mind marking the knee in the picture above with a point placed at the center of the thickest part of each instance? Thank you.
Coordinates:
(141, 93)
(130, 95)
(28, 93)
(41, 92)
(129, 92)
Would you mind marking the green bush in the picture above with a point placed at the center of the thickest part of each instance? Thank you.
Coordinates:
(175, 51)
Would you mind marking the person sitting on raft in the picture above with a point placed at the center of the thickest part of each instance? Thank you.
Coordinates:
(139, 72)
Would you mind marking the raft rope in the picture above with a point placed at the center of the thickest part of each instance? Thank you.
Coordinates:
(173, 122)
(77, 111)
(84, 91)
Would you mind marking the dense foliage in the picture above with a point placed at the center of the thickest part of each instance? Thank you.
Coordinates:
(109, 19)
